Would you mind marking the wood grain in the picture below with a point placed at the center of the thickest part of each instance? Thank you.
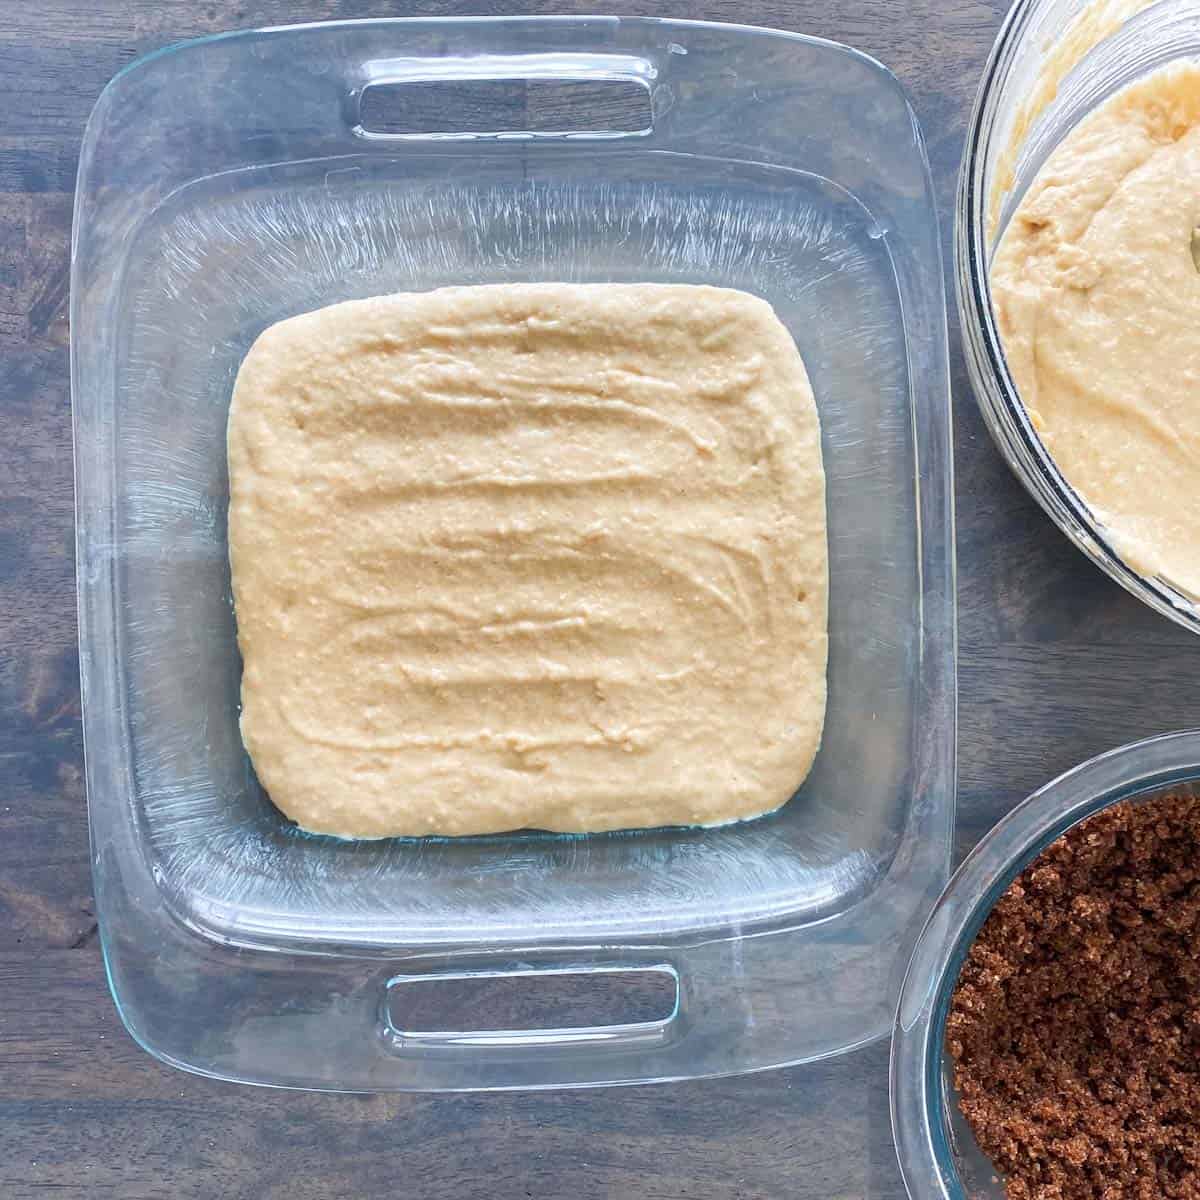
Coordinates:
(1057, 663)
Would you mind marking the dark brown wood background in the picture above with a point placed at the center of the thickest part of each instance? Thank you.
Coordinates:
(1056, 664)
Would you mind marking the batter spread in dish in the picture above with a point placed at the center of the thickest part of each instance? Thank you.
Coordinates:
(1097, 297)
(540, 555)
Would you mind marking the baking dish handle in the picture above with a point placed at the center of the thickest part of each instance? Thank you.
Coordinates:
(500, 1014)
(587, 95)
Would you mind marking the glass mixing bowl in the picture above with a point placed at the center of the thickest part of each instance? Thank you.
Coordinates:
(1040, 80)
(938, 1155)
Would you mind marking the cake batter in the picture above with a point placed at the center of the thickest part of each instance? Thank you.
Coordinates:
(1097, 296)
(540, 555)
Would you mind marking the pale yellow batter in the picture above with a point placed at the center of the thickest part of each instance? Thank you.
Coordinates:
(541, 555)
(1097, 297)
(1095, 21)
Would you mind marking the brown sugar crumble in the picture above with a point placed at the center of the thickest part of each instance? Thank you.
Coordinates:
(1075, 1024)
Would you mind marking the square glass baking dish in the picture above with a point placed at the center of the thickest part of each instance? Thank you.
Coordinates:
(231, 182)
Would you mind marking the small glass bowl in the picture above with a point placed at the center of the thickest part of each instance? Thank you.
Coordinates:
(1006, 145)
(938, 1154)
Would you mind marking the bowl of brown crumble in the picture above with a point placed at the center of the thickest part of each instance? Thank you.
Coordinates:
(1047, 1042)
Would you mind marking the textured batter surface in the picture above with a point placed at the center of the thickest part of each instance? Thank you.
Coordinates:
(542, 555)
(1095, 21)
(1075, 1026)
(1098, 300)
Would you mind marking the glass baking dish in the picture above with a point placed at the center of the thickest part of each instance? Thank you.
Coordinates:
(938, 1154)
(1053, 62)
(230, 182)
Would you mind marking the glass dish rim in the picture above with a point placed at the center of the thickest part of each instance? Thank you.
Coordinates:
(917, 1100)
(481, 20)
(1004, 415)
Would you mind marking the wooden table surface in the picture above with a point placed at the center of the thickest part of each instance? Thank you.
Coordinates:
(1056, 664)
